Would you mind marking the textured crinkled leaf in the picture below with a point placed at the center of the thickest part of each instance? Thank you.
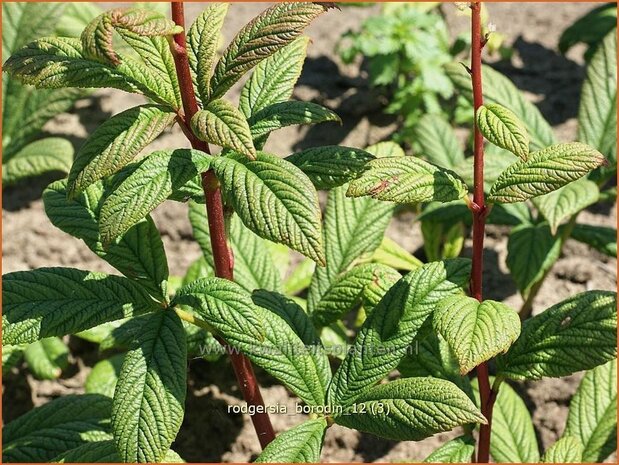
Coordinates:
(567, 449)
(503, 128)
(116, 142)
(531, 252)
(592, 416)
(459, 450)
(104, 375)
(392, 254)
(47, 358)
(138, 254)
(545, 171)
(56, 301)
(148, 405)
(475, 331)
(274, 78)
(407, 180)
(383, 339)
(597, 115)
(300, 444)
(601, 238)
(274, 199)
(437, 141)
(36, 158)
(385, 150)
(577, 334)
(410, 409)
(332, 165)
(499, 89)
(56, 427)
(203, 39)
(260, 38)
(103, 452)
(222, 124)
(144, 185)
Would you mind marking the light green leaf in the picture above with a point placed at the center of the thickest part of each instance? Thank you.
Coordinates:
(385, 150)
(597, 116)
(601, 238)
(200, 268)
(567, 449)
(531, 252)
(274, 199)
(410, 409)
(392, 254)
(148, 405)
(545, 171)
(300, 444)
(47, 358)
(561, 204)
(103, 452)
(141, 187)
(11, 356)
(392, 326)
(56, 427)
(437, 141)
(116, 142)
(36, 158)
(260, 38)
(577, 334)
(274, 78)
(56, 301)
(220, 123)
(503, 128)
(407, 180)
(138, 254)
(300, 277)
(459, 450)
(99, 333)
(75, 18)
(332, 165)
(103, 377)
(593, 413)
(475, 331)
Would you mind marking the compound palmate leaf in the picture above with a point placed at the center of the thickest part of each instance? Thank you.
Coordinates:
(301, 444)
(410, 409)
(148, 406)
(577, 334)
(501, 127)
(545, 171)
(57, 301)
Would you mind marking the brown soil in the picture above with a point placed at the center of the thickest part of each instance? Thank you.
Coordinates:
(209, 433)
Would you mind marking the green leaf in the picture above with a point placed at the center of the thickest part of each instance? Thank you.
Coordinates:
(11, 356)
(148, 406)
(300, 277)
(332, 165)
(503, 128)
(56, 427)
(561, 204)
(274, 199)
(275, 28)
(138, 254)
(531, 252)
(513, 437)
(143, 186)
(437, 141)
(220, 123)
(475, 331)
(597, 116)
(47, 358)
(300, 444)
(589, 28)
(56, 301)
(392, 326)
(407, 180)
(203, 40)
(499, 89)
(601, 238)
(39, 157)
(75, 18)
(459, 450)
(392, 254)
(545, 171)
(577, 334)
(410, 409)
(103, 452)
(103, 377)
(116, 142)
(273, 79)
(593, 413)
(567, 449)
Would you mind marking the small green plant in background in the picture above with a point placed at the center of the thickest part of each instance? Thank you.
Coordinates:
(590, 29)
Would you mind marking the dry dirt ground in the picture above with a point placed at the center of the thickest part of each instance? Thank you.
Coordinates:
(209, 433)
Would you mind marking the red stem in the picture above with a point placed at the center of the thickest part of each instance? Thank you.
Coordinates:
(215, 211)
(480, 212)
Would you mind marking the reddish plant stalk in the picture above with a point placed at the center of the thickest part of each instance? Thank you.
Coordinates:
(480, 211)
(222, 255)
